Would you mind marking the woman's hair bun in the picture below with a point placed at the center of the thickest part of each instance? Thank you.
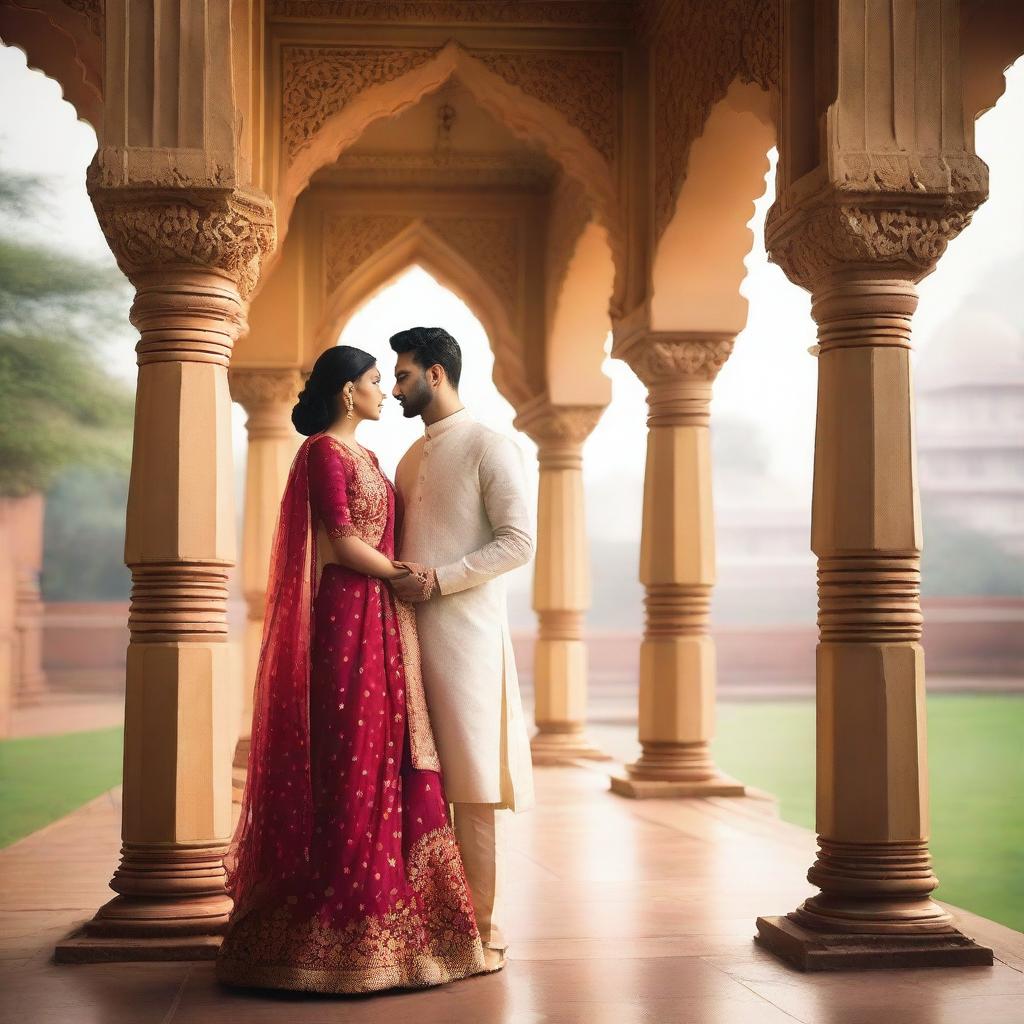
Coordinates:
(317, 407)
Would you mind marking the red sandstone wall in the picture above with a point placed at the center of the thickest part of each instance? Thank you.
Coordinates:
(963, 636)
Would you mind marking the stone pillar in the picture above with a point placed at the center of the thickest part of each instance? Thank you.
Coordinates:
(677, 568)
(193, 256)
(873, 867)
(267, 395)
(561, 580)
(27, 536)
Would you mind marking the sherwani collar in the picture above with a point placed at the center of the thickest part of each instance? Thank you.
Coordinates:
(441, 426)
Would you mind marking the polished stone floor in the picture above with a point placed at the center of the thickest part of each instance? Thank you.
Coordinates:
(623, 912)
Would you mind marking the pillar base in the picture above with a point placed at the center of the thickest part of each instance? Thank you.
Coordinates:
(82, 948)
(643, 789)
(564, 747)
(810, 950)
(149, 928)
(241, 758)
(32, 691)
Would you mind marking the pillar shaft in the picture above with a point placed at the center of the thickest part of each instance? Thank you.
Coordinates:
(873, 868)
(561, 581)
(677, 568)
(267, 395)
(187, 254)
(27, 515)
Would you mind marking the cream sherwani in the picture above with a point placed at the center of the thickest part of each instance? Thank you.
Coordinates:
(466, 514)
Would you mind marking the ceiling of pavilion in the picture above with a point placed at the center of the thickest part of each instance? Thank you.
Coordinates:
(445, 141)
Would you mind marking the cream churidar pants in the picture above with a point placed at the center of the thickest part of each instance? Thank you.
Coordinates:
(480, 833)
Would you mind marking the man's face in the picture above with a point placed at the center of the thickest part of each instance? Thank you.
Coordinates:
(412, 389)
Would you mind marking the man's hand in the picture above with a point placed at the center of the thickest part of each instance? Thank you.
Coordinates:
(419, 585)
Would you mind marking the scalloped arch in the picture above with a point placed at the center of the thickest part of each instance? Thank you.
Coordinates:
(67, 52)
(418, 245)
(699, 263)
(527, 118)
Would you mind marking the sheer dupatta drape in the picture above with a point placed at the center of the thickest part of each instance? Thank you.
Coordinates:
(270, 846)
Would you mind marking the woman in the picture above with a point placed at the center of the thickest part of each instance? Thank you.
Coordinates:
(343, 868)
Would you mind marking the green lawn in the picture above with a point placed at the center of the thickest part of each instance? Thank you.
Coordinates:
(975, 756)
(43, 778)
(975, 745)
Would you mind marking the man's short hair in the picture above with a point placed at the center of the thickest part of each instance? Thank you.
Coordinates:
(430, 345)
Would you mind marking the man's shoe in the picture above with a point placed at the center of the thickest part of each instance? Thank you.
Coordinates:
(494, 960)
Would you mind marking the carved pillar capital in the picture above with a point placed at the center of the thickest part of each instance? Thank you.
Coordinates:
(154, 231)
(886, 235)
(267, 395)
(678, 368)
(558, 430)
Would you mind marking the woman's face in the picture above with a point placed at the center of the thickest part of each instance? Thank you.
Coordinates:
(367, 397)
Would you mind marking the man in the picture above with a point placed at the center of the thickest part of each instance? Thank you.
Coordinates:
(466, 522)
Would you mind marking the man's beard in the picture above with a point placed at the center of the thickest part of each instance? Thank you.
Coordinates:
(415, 402)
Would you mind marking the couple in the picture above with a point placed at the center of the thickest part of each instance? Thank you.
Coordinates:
(349, 870)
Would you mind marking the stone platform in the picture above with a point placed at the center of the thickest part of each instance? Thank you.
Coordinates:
(624, 911)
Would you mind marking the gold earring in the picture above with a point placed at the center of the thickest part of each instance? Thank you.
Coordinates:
(351, 403)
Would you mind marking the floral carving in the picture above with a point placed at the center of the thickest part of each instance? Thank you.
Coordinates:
(570, 212)
(351, 239)
(91, 10)
(318, 82)
(614, 13)
(547, 424)
(662, 357)
(253, 388)
(226, 230)
(698, 50)
(813, 242)
(584, 87)
(491, 245)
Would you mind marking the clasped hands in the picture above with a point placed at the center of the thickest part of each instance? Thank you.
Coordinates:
(417, 584)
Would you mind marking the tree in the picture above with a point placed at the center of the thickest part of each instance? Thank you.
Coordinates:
(58, 406)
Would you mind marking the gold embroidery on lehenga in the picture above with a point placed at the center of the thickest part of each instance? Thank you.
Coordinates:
(428, 940)
(421, 736)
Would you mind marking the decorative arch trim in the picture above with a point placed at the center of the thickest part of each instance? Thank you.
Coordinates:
(63, 42)
(419, 244)
(321, 120)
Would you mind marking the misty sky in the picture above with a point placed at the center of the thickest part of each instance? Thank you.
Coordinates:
(769, 382)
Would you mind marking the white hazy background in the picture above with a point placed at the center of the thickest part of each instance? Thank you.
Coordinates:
(768, 382)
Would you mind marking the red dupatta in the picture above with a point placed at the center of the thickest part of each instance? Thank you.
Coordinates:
(270, 847)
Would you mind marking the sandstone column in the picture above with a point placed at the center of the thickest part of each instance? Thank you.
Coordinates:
(193, 255)
(677, 568)
(874, 870)
(26, 526)
(267, 395)
(561, 580)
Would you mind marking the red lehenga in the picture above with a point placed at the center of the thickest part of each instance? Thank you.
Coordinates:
(344, 868)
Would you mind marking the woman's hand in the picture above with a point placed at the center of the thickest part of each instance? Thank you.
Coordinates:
(418, 585)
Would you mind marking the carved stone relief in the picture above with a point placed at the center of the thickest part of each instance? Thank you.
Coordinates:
(612, 13)
(351, 239)
(489, 244)
(230, 231)
(815, 240)
(569, 213)
(697, 52)
(318, 82)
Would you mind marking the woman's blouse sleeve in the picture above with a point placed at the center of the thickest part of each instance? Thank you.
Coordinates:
(328, 488)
